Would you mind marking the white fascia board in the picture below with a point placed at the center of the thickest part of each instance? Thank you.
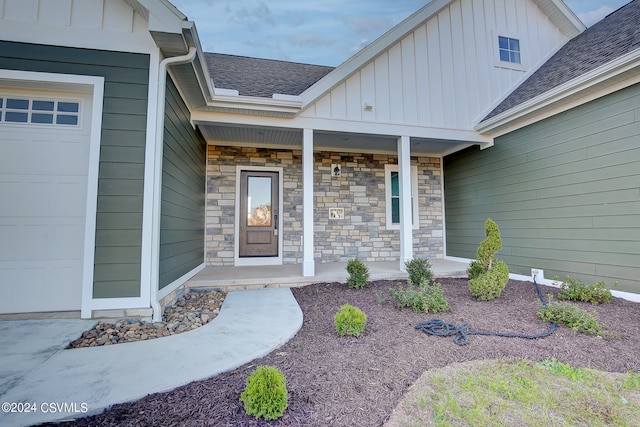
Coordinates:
(565, 20)
(205, 80)
(224, 99)
(364, 56)
(283, 97)
(163, 16)
(513, 118)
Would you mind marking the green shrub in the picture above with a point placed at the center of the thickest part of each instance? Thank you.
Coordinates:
(350, 320)
(427, 298)
(571, 316)
(419, 270)
(266, 393)
(490, 284)
(576, 290)
(488, 275)
(358, 274)
(476, 268)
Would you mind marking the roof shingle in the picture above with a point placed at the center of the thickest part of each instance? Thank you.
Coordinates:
(262, 77)
(614, 36)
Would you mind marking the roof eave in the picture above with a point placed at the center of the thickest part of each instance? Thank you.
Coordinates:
(615, 75)
(562, 16)
(253, 105)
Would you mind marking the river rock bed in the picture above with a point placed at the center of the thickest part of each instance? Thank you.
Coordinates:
(194, 309)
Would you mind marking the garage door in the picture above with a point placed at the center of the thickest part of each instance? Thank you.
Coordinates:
(44, 154)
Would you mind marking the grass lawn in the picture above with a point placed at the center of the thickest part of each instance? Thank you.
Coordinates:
(518, 392)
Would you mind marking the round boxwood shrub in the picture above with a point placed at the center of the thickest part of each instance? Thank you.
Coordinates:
(350, 320)
(265, 394)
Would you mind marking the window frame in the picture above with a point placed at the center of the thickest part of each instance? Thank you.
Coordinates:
(33, 115)
(495, 43)
(388, 169)
(509, 50)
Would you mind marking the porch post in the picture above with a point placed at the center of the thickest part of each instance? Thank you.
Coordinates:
(404, 179)
(308, 264)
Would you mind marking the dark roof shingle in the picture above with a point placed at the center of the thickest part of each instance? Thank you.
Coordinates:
(262, 77)
(614, 36)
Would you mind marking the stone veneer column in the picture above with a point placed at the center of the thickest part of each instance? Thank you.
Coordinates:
(308, 264)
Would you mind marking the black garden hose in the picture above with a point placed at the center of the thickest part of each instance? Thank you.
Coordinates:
(441, 329)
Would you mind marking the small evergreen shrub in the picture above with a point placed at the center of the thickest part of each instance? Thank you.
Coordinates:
(476, 268)
(490, 284)
(571, 316)
(488, 275)
(427, 298)
(419, 270)
(350, 320)
(576, 290)
(265, 394)
(358, 274)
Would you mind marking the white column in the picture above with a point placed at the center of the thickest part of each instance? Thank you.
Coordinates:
(308, 264)
(404, 179)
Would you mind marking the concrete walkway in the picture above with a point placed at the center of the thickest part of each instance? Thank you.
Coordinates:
(63, 384)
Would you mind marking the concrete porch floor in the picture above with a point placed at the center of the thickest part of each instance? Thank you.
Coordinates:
(273, 276)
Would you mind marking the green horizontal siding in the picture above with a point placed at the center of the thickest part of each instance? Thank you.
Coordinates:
(119, 216)
(183, 192)
(565, 193)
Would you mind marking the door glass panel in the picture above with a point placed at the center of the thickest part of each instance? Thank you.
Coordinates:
(259, 201)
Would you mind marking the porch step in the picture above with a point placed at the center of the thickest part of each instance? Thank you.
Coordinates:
(258, 277)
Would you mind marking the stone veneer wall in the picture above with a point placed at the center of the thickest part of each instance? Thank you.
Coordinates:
(360, 190)
(221, 200)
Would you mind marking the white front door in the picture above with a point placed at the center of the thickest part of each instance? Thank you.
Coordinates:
(44, 157)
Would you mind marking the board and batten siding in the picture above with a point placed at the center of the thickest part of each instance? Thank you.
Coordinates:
(122, 146)
(565, 193)
(182, 218)
(444, 73)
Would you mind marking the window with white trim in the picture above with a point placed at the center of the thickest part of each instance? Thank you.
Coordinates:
(26, 110)
(392, 196)
(509, 50)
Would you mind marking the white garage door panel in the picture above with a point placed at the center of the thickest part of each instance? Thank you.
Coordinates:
(38, 157)
(52, 287)
(55, 241)
(43, 194)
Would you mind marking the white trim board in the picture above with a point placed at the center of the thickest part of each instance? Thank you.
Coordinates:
(179, 281)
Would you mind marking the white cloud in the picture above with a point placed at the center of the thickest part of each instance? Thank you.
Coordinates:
(592, 16)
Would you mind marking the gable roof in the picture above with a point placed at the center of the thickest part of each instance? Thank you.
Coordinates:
(255, 77)
(613, 37)
(262, 77)
(556, 10)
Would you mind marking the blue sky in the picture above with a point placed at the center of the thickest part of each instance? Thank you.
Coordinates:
(324, 32)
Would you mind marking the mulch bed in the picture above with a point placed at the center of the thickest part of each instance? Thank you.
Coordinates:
(346, 381)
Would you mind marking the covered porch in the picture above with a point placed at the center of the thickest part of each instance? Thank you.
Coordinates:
(291, 275)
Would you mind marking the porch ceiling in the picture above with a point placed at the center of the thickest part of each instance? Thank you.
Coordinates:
(270, 137)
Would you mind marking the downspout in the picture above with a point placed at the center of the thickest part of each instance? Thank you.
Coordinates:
(157, 177)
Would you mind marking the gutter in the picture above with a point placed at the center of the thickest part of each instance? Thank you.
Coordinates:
(157, 176)
(585, 87)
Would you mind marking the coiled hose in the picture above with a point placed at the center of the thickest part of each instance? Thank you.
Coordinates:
(441, 329)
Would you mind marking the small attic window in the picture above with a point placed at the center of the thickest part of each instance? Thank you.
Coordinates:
(509, 50)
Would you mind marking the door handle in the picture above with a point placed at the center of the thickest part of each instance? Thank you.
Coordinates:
(275, 224)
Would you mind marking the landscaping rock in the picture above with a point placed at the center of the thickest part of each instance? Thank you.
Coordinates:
(193, 310)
